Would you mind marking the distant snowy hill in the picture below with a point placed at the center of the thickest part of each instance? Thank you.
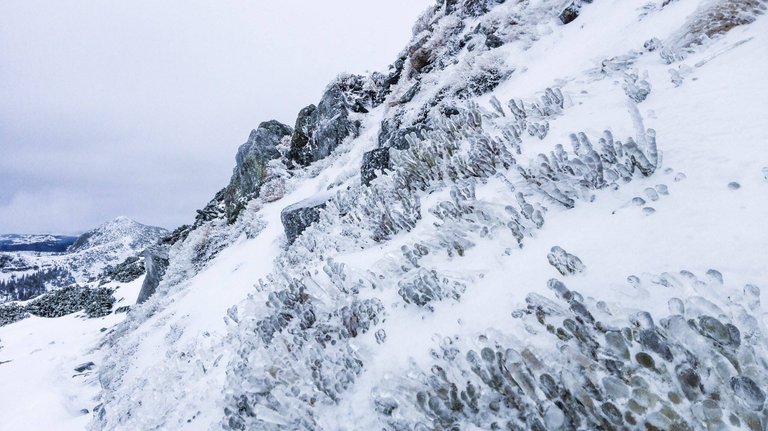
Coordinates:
(120, 232)
(545, 215)
(41, 243)
(86, 257)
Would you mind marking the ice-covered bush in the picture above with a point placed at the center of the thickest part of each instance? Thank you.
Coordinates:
(598, 365)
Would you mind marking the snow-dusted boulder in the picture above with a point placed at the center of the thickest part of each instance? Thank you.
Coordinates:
(322, 128)
(156, 262)
(298, 217)
(373, 161)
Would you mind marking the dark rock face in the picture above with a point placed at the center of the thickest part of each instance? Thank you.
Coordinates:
(374, 160)
(156, 262)
(253, 156)
(86, 366)
(320, 129)
(479, 7)
(570, 13)
(299, 216)
(305, 124)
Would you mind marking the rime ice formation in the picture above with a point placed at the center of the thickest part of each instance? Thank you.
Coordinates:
(514, 227)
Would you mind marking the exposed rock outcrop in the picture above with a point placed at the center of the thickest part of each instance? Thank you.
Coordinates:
(156, 262)
(320, 129)
(299, 216)
(375, 160)
(253, 156)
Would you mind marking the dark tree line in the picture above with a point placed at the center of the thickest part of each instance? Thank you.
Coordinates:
(29, 286)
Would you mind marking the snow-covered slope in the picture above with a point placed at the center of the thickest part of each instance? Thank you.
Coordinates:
(568, 235)
(88, 256)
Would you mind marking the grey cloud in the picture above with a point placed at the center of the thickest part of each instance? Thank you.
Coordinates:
(137, 108)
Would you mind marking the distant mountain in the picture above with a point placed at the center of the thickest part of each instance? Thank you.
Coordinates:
(61, 260)
(44, 243)
(397, 259)
(120, 231)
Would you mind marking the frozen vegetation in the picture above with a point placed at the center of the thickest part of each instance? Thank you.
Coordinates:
(545, 215)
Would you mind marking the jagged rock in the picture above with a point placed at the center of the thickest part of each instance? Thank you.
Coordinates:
(469, 8)
(320, 129)
(305, 124)
(373, 161)
(298, 217)
(156, 262)
(570, 13)
(493, 41)
(253, 156)
(564, 262)
(85, 366)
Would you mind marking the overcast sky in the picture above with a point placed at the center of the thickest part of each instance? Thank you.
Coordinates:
(137, 107)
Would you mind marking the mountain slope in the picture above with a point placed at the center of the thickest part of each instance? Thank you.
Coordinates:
(545, 215)
(429, 263)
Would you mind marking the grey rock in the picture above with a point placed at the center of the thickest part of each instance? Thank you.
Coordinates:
(493, 41)
(298, 217)
(320, 129)
(570, 13)
(156, 262)
(85, 366)
(373, 161)
(253, 156)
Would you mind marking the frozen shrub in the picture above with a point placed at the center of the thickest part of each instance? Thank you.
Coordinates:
(564, 262)
(613, 370)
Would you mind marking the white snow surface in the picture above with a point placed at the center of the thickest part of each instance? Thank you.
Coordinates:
(171, 355)
(38, 357)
